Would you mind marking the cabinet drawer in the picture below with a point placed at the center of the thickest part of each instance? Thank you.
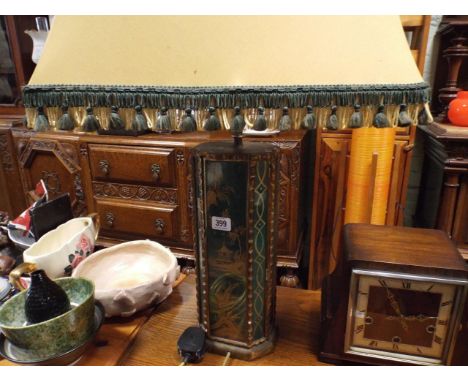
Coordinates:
(130, 164)
(138, 219)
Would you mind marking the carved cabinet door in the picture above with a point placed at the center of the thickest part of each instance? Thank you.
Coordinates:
(56, 163)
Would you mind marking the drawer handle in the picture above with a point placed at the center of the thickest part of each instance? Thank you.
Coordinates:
(104, 166)
(160, 224)
(110, 219)
(155, 170)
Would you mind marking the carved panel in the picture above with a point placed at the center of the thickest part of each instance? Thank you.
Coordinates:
(284, 202)
(52, 182)
(136, 192)
(80, 204)
(180, 157)
(51, 146)
(84, 150)
(7, 160)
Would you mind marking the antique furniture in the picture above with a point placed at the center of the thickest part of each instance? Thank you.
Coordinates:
(237, 193)
(397, 296)
(141, 186)
(443, 189)
(450, 70)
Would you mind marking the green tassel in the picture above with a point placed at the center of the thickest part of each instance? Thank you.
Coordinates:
(163, 124)
(285, 122)
(212, 123)
(422, 117)
(404, 119)
(260, 123)
(65, 122)
(332, 123)
(42, 123)
(139, 123)
(90, 123)
(188, 122)
(380, 119)
(115, 121)
(356, 119)
(308, 122)
(237, 123)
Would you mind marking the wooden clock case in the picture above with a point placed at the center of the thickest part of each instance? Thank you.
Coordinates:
(415, 251)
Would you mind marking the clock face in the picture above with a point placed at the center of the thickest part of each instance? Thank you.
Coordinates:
(400, 316)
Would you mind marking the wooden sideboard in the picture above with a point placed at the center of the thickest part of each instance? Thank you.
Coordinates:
(141, 187)
(443, 194)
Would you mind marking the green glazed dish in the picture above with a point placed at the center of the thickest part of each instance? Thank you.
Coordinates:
(58, 334)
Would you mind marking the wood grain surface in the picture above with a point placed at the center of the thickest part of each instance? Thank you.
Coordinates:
(298, 322)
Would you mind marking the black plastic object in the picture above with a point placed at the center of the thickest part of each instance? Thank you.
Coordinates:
(44, 299)
(191, 344)
(50, 215)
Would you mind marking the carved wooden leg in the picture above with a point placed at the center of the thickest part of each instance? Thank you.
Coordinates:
(290, 279)
(189, 267)
(448, 202)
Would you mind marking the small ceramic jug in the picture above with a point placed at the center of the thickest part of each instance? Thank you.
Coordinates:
(44, 299)
(458, 110)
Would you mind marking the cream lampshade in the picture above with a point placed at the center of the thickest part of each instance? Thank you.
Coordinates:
(226, 61)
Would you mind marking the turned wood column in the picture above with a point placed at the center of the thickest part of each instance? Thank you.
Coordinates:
(455, 56)
(448, 203)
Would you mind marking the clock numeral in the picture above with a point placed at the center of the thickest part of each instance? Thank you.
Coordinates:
(429, 289)
(442, 322)
(359, 329)
(406, 285)
(446, 303)
(373, 343)
(438, 340)
(419, 350)
(383, 283)
(395, 346)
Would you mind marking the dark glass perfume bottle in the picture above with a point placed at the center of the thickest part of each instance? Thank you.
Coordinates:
(44, 299)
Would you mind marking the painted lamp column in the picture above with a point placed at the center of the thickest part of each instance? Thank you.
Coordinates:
(236, 191)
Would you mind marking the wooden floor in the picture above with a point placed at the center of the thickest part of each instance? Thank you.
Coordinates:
(298, 322)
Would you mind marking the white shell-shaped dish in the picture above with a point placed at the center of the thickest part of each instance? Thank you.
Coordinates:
(259, 133)
(131, 276)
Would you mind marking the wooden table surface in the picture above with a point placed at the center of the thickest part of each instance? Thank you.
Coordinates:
(297, 318)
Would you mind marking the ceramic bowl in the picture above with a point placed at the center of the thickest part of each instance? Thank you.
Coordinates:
(59, 251)
(131, 276)
(58, 334)
(31, 358)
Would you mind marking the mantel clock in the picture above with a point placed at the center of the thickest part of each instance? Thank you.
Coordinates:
(397, 297)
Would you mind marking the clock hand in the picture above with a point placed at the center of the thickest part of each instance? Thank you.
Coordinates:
(396, 307)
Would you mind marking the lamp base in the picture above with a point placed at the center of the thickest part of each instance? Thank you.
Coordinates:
(239, 352)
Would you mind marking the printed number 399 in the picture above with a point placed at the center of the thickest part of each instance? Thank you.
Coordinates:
(220, 224)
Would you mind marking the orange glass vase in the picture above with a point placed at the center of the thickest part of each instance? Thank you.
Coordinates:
(458, 110)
